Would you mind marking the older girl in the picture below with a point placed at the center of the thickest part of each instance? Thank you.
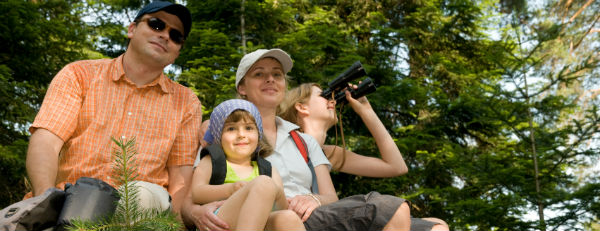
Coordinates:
(314, 114)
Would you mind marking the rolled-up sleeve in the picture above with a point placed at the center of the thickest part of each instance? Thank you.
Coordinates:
(62, 103)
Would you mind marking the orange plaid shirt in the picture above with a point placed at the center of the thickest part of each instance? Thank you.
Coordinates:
(90, 101)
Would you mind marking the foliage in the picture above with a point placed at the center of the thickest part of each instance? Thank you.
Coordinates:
(12, 163)
(128, 214)
(470, 90)
(39, 38)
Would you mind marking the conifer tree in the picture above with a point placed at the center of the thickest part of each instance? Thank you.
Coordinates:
(129, 215)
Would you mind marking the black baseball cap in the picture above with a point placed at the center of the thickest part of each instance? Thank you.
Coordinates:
(178, 10)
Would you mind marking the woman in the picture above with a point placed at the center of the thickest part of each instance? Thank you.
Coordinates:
(261, 79)
(314, 114)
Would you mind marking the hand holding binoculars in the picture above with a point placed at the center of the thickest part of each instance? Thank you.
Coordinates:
(339, 85)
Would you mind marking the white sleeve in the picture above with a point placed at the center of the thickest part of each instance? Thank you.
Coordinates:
(197, 161)
(315, 153)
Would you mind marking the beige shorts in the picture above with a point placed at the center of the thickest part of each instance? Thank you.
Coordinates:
(152, 196)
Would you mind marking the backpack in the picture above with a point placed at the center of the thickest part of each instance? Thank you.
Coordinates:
(36, 213)
(219, 164)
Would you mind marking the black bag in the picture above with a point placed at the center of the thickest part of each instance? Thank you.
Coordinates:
(89, 199)
(36, 213)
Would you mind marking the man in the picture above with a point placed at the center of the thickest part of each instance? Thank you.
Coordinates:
(90, 101)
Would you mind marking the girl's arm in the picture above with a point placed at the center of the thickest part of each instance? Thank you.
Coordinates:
(280, 201)
(202, 191)
(391, 163)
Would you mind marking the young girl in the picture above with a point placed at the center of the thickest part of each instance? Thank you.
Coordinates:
(249, 197)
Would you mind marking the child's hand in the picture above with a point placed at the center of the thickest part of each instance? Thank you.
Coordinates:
(238, 185)
(360, 104)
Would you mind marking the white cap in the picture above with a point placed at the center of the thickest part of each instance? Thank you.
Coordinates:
(249, 59)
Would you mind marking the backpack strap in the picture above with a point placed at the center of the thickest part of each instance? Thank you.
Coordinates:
(301, 144)
(264, 166)
(219, 164)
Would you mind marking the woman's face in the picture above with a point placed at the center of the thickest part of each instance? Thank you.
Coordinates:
(264, 83)
(321, 108)
(239, 139)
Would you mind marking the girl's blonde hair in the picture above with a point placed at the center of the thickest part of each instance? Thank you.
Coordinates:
(264, 148)
(287, 111)
(300, 94)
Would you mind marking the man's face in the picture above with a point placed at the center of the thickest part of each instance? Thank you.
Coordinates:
(154, 42)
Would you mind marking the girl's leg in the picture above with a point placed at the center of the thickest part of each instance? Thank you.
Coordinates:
(284, 220)
(249, 207)
(400, 220)
(442, 226)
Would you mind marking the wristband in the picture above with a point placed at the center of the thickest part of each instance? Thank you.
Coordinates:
(315, 198)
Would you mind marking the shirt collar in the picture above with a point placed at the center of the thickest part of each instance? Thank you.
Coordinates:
(119, 72)
(283, 127)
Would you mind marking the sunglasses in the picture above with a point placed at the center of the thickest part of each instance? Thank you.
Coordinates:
(159, 25)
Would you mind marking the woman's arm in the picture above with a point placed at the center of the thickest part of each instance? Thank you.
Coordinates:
(202, 192)
(327, 192)
(280, 200)
(391, 163)
(304, 205)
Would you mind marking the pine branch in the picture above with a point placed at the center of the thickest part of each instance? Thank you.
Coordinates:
(129, 215)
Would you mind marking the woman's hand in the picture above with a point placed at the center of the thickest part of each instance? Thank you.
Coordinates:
(303, 205)
(204, 218)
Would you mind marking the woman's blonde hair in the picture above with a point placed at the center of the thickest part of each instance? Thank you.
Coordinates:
(264, 148)
(300, 94)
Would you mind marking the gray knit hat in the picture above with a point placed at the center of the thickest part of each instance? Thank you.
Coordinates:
(223, 110)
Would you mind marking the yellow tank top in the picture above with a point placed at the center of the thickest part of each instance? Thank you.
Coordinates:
(231, 177)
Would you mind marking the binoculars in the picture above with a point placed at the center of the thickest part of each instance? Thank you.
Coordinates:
(339, 85)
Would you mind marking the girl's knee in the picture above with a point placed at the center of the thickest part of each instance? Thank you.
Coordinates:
(404, 207)
(285, 215)
(441, 226)
(263, 184)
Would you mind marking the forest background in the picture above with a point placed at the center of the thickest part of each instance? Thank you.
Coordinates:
(493, 104)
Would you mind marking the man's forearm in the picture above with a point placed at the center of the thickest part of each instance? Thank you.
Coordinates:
(42, 173)
(42, 160)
